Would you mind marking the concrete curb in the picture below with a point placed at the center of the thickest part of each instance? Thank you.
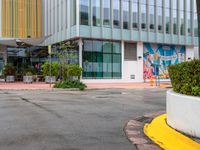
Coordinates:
(135, 134)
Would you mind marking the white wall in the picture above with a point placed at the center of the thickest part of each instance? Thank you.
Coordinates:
(196, 52)
(134, 67)
(190, 53)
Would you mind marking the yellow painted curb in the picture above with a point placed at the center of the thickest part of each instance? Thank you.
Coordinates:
(168, 138)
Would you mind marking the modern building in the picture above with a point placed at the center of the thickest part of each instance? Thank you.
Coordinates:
(19, 19)
(117, 40)
(124, 40)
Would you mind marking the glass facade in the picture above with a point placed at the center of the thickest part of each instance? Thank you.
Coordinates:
(101, 59)
(182, 18)
(143, 14)
(168, 16)
(135, 9)
(125, 5)
(175, 17)
(106, 12)
(84, 12)
(96, 9)
(160, 16)
(116, 13)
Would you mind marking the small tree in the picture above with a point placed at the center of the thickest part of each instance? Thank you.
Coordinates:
(64, 54)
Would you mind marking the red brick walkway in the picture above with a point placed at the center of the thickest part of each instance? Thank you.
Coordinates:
(23, 86)
(43, 86)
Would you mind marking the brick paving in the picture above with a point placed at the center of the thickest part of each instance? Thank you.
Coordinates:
(135, 134)
(123, 85)
(23, 86)
(44, 86)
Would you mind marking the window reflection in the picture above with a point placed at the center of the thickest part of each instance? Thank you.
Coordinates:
(106, 12)
(125, 4)
(116, 13)
(96, 13)
(84, 12)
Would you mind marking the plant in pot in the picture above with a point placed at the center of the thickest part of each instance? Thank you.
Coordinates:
(9, 73)
(50, 71)
(74, 72)
(28, 78)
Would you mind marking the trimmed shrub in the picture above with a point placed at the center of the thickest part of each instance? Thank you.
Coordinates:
(70, 84)
(185, 77)
(54, 68)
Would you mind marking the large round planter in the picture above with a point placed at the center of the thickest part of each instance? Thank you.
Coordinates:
(28, 79)
(10, 78)
(50, 79)
(183, 113)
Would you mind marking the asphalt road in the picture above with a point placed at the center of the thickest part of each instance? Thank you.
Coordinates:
(61, 120)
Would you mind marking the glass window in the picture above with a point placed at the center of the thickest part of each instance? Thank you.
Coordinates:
(167, 16)
(143, 14)
(84, 12)
(116, 13)
(107, 47)
(195, 20)
(106, 12)
(160, 15)
(135, 14)
(73, 12)
(175, 16)
(189, 16)
(101, 59)
(96, 13)
(126, 18)
(152, 15)
(182, 18)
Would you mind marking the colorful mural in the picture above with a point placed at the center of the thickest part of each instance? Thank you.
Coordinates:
(158, 57)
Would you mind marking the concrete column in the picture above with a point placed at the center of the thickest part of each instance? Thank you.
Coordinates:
(122, 57)
(80, 45)
(140, 68)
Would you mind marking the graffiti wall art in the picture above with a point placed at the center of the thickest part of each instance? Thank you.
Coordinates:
(158, 57)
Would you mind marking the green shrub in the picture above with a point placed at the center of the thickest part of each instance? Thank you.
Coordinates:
(9, 70)
(54, 69)
(185, 77)
(29, 73)
(70, 84)
(73, 70)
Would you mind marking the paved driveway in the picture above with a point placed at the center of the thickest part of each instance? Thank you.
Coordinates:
(60, 120)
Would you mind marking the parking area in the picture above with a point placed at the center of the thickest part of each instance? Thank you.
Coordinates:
(72, 120)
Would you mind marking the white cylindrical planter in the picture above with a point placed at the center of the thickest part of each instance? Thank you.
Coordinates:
(10, 78)
(28, 79)
(183, 113)
(50, 79)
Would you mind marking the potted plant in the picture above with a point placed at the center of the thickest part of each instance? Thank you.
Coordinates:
(184, 100)
(74, 72)
(50, 71)
(9, 73)
(28, 78)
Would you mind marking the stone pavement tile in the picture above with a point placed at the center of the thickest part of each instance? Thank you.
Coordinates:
(138, 141)
(148, 147)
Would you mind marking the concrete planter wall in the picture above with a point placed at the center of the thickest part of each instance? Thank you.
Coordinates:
(50, 79)
(28, 79)
(183, 113)
(10, 78)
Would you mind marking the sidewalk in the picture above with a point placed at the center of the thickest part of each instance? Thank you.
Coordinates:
(23, 86)
(125, 85)
(44, 86)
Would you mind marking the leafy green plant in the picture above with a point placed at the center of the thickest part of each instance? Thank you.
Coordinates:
(185, 77)
(29, 73)
(70, 84)
(64, 53)
(54, 69)
(73, 70)
(9, 70)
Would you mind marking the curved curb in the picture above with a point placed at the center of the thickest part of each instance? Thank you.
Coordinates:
(134, 132)
(167, 137)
